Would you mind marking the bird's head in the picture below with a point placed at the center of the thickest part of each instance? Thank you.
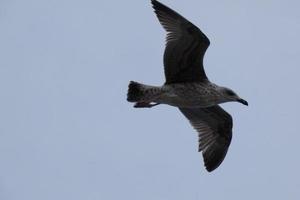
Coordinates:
(230, 95)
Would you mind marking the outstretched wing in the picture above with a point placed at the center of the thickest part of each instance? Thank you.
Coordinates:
(185, 48)
(214, 127)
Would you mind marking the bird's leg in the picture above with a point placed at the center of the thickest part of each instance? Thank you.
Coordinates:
(145, 105)
(154, 104)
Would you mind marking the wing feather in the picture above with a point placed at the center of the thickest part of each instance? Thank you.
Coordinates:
(185, 47)
(214, 127)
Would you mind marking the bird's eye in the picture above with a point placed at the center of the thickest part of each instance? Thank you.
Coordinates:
(230, 92)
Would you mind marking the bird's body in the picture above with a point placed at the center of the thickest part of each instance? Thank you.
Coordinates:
(188, 88)
(191, 95)
(186, 95)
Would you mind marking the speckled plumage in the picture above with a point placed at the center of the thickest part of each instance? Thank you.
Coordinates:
(190, 95)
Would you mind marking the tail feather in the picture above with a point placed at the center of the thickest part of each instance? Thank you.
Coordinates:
(135, 92)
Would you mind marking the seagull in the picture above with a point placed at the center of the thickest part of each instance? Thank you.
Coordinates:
(188, 88)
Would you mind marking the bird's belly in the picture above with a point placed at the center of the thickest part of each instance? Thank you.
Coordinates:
(187, 100)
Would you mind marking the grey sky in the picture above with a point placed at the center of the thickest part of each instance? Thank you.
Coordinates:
(67, 131)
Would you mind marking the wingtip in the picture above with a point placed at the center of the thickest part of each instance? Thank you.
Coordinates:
(153, 2)
(157, 5)
(210, 168)
(214, 160)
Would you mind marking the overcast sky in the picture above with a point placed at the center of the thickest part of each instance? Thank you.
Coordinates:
(67, 131)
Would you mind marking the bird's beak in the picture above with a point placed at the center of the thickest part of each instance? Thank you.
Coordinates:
(242, 101)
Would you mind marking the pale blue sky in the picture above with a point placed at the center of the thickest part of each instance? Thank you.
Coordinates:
(67, 131)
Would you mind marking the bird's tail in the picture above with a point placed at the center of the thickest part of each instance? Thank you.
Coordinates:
(138, 92)
(135, 92)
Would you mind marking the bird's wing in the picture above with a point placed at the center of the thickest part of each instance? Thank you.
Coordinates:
(214, 127)
(185, 47)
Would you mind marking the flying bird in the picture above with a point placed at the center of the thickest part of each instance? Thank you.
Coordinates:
(188, 88)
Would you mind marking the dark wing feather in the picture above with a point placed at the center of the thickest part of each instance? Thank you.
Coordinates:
(185, 48)
(214, 127)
